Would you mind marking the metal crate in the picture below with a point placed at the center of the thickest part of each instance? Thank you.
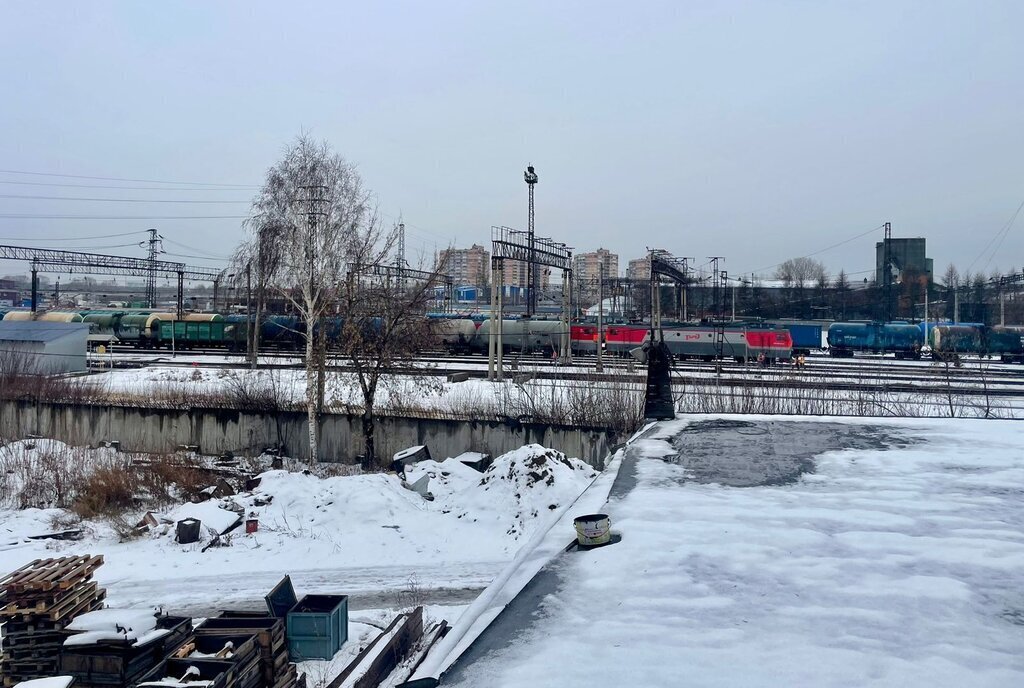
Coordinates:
(316, 626)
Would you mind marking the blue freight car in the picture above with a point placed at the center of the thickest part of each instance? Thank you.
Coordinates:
(806, 335)
(902, 339)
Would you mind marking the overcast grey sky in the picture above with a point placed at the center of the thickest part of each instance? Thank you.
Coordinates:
(753, 130)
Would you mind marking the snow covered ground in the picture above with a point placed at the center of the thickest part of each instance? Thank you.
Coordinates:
(362, 535)
(868, 386)
(859, 553)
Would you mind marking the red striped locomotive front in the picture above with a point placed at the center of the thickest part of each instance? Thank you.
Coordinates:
(776, 345)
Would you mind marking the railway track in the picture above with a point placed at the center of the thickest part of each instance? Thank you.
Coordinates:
(843, 377)
(859, 368)
(865, 364)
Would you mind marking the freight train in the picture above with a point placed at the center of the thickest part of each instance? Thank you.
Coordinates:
(457, 334)
(901, 339)
(951, 341)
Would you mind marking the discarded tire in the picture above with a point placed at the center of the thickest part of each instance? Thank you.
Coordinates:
(593, 529)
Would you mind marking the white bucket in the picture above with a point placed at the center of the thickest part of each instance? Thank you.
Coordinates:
(593, 529)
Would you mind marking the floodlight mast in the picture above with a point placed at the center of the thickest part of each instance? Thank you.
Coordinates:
(532, 281)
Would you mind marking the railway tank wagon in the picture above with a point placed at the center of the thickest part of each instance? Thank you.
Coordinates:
(531, 336)
(902, 339)
(455, 335)
(49, 316)
(949, 341)
(1007, 343)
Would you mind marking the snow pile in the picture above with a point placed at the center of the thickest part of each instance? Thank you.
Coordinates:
(135, 625)
(526, 484)
(49, 682)
(215, 518)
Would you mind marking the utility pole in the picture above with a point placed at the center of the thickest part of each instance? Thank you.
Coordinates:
(600, 315)
(400, 255)
(717, 277)
(250, 330)
(1002, 304)
(566, 353)
(155, 249)
(35, 286)
(956, 304)
(926, 312)
(532, 280)
(716, 286)
(316, 201)
(686, 285)
(887, 271)
(734, 302)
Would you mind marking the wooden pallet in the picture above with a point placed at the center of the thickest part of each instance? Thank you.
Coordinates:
(43, 623)
(55, 608)
(16, 640)
(30, 653)
(61, 573)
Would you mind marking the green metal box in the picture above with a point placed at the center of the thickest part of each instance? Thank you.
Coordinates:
(316, 626)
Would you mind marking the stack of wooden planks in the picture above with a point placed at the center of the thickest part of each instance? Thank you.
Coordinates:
(37, 602)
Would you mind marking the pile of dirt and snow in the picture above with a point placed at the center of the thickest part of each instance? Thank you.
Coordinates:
(517, 489)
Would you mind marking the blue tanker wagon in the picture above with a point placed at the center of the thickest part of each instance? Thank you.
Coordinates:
(902, 339)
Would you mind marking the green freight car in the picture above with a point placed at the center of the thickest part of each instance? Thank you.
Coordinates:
(192, 334)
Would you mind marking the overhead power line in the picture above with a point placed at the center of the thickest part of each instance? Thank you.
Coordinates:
(187, 255)
(31, 216)
(120, 186)
(124, 179)
(827, 248)
(197, 250)
(119, 200)
(1001, 235)
(76, 238)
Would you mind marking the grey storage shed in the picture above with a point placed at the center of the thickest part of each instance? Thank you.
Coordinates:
(47, 348)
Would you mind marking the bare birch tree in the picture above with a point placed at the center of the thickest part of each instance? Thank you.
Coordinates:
(305, 222)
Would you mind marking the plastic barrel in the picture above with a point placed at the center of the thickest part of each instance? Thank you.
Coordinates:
(593, 529)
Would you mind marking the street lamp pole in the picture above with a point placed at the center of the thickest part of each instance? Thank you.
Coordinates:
(531, 269)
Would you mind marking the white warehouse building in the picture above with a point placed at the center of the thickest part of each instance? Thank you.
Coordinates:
(43, 348)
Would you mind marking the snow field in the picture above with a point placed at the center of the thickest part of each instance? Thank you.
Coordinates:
(362, 533)
(898, 567)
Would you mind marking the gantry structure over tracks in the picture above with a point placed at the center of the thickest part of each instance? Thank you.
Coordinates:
(55, 260)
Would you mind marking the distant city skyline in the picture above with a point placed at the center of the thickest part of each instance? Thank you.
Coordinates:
(759, 131)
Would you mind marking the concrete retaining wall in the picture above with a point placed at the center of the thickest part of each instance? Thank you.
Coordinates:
(245, 433)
